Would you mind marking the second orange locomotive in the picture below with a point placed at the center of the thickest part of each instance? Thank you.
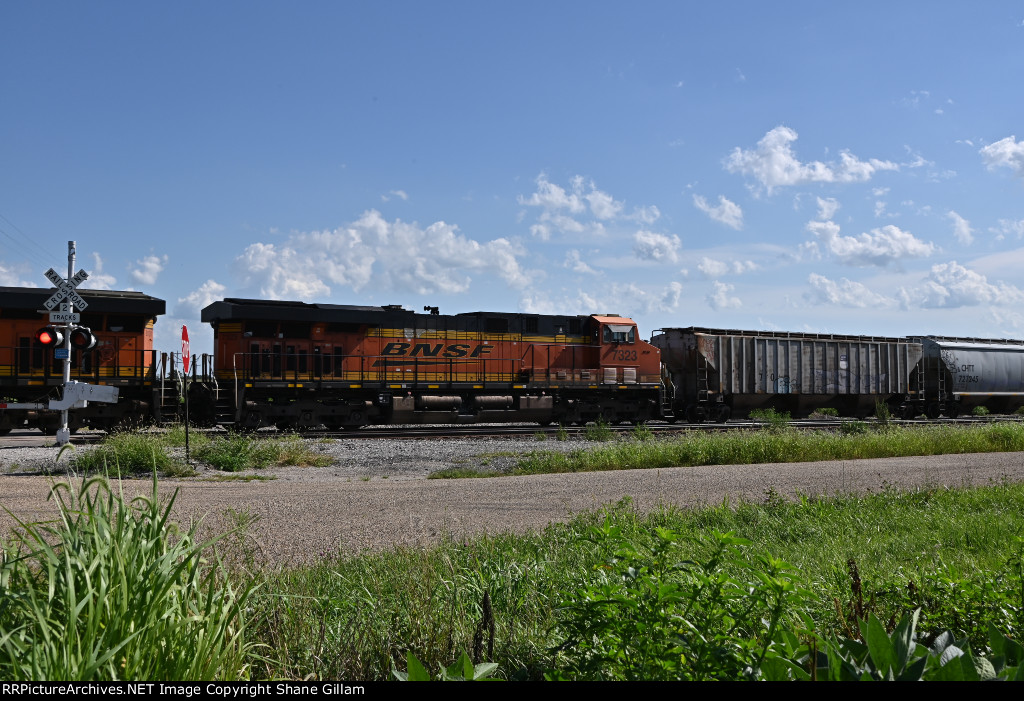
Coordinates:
(295, 365)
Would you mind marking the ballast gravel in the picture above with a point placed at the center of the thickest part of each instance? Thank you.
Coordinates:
(375, 493)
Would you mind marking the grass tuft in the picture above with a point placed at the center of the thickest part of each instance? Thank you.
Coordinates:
(113, 590)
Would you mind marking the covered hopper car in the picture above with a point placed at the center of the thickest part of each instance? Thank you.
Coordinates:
(958, 374)
(295, 365)
(715, 373)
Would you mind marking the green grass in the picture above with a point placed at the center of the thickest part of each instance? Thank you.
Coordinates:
(113, 590)
(954, 553)
(134, 453)
(780, 445)
(125, 454)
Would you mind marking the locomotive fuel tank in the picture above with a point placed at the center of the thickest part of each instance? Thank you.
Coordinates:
(716, 373)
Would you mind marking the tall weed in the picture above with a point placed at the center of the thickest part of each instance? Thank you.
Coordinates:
(113, 590)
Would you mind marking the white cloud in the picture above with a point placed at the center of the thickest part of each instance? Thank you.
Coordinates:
(400, 194)
(950, 285)
(576, 264)
(149, 268)
(648, 245)
(881, 247)
(194, 302)
(628, 299)
(11, 277)
(827, 208)
(719, 297)
(845, 293)
(1005, 153)
(1008, 227)
(773, 164)
(728, 213)
(98, 280)
(646, 215)
(394, 255)
(711, 268)
(581, 207)
(961, 228)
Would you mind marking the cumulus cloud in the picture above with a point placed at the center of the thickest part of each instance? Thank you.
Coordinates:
(728, 213)
(950, 285)
(961, 228)
(626, 298)
(719, 297)
(845, 293)
(773, 164)
(576, 264)
(98, 280)
(1008, 227)
(648, 245)
(646, 215)
(711, 268)
(393, 255)
(559, 205)
(1005, 153)
(191, 304)
(580, 208)
(148, 269)
(881, 247)
(827, 208)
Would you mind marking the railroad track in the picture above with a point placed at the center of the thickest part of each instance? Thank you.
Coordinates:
(659, 428)
(25, 438)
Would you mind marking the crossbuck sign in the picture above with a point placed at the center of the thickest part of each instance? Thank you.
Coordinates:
(65, 289)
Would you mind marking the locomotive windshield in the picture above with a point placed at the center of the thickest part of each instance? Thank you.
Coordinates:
(619, 333)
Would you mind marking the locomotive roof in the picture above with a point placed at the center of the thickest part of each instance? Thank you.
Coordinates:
(238, 309)
(100, 301)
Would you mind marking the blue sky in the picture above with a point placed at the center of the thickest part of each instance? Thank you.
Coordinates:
(801, 166)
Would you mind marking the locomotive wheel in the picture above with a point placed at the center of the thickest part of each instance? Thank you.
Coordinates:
(932, 411)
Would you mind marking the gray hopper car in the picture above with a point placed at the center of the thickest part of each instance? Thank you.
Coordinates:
(715, 374)
(958, 374)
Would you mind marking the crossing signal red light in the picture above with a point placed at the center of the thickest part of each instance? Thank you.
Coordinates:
(82, 338)
(49, 337)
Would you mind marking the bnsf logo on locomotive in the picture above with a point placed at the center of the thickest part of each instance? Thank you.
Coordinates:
(432, 350)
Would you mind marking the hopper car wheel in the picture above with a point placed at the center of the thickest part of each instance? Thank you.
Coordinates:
(723, 413)
(952, 410)
(909, 412)
(695, 414)
(932, 411)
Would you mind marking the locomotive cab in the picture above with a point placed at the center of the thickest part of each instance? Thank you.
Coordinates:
(624, 359)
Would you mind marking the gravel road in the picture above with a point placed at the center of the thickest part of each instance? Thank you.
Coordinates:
(375, 494)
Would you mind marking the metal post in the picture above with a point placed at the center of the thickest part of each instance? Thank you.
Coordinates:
(64, 433)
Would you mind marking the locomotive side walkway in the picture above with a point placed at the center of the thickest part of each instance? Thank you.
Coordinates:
(308, 513)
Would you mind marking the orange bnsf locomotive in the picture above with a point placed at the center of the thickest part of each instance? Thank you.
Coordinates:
(298, 365)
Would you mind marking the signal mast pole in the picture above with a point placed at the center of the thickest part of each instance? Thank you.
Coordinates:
(64, 433)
